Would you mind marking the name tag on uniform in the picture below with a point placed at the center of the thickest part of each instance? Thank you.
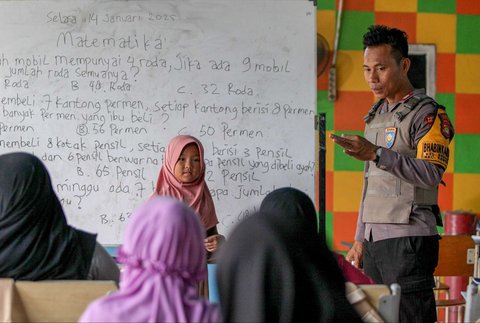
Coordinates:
(390, 134)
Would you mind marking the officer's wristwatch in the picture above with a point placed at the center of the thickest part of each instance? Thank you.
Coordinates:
(378, 152)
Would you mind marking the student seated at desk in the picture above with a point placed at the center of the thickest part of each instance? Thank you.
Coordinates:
(36, 243)
(294, 204)
(267, 274)
(164, 259)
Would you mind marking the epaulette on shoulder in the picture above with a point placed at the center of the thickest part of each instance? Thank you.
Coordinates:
(371, 113)
(411, 103)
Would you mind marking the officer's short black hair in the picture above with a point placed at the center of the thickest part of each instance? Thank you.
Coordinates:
(384, 35)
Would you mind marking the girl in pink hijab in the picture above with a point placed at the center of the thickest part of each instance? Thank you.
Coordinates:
(183, 176)
(164, 259)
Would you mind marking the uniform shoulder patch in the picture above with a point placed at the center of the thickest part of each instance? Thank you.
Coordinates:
(433, 147)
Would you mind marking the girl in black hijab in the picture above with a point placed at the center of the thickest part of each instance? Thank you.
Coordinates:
(296, 206)
(36, 243)
(267, 274)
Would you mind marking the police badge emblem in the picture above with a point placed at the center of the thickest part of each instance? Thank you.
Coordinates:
(445, 125)
(390, 134)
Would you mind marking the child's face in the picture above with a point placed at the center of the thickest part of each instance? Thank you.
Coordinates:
(187, 168)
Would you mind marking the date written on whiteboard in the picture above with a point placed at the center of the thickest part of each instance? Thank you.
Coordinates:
(106, 18)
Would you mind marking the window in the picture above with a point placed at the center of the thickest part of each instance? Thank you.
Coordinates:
(423, 70)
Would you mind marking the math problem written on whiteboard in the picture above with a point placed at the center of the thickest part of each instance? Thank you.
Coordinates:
(97, 90)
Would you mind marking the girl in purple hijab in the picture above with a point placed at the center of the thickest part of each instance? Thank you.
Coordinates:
(164, 259)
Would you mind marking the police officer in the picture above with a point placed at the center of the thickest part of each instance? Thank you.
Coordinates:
(406, 152)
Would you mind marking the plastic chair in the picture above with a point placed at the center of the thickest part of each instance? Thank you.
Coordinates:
(375, 303)
(472, 302)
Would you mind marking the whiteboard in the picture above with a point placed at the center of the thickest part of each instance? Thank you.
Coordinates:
(97, 89)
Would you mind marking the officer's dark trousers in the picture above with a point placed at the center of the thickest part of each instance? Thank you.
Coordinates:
(410, 262)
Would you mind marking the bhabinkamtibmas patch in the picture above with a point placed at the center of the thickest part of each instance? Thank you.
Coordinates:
(433, 147)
